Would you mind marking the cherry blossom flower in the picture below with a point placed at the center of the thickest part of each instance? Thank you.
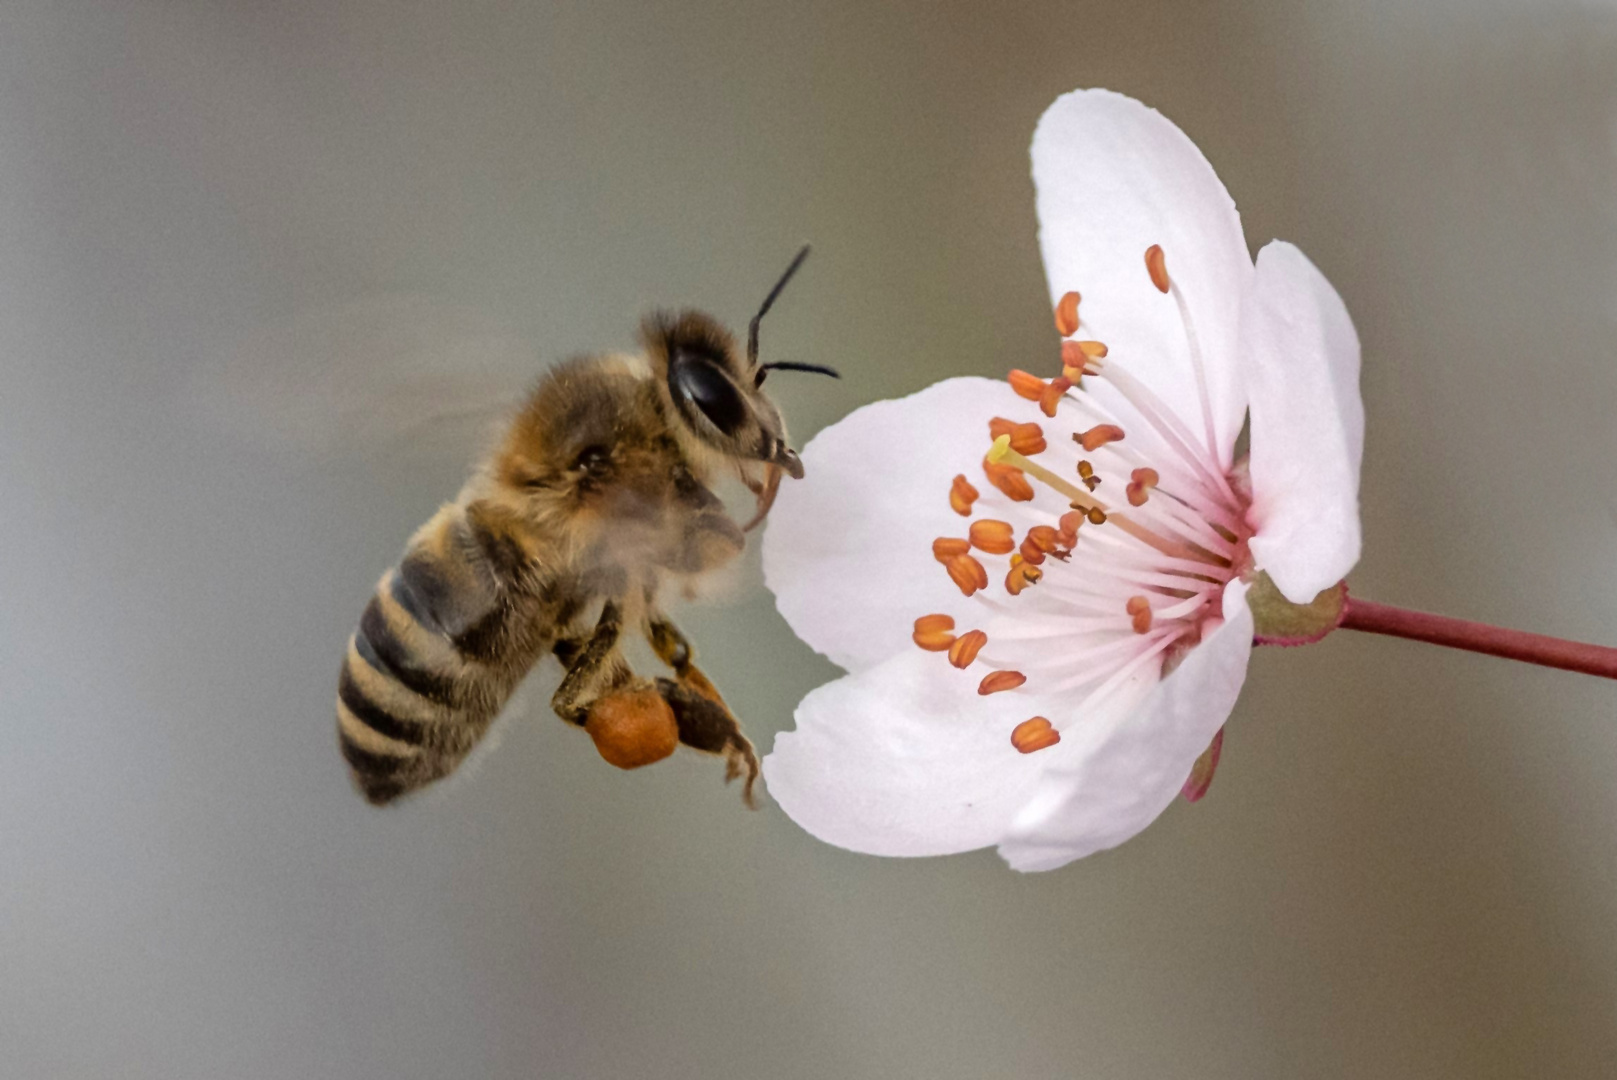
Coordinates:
(1044, 643)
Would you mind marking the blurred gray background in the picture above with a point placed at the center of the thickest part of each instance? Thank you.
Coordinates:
(1408, 864)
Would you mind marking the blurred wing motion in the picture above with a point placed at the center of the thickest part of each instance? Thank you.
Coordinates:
(367, 377)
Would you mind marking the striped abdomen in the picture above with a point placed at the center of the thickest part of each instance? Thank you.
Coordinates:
(441, 645)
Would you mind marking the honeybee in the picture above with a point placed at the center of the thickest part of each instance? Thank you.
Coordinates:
(594, 501)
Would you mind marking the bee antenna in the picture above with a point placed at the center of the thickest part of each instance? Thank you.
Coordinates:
(788, 365)
(752, 327)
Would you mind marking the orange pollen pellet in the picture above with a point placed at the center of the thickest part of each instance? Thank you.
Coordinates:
(1067, 314)
(945, 548)
(934, 633)
(1010, 480)
(1097, 516)
(1139, 609)
(993, 537)
(1026, 439)
(1053, 394)
(1022, 575)
(996, 681)
(1026, 384)
(961, 495)
(1098, 436)
(1034, 734)
(966, 647)
(967, 573)
(1156, 264)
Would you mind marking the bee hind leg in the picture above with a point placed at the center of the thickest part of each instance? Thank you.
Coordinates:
(590, 662)
(705, 721)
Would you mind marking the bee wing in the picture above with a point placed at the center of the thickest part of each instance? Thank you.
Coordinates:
(367, 376)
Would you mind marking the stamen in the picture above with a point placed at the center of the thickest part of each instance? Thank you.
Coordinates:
(1067, 314)
(967, 574)
(1025, 438)
(1098, 436)
(1067, 528)
(1026, 384)
(1035, 734)
(997, 681)
(945, 548)
(1053, 394)
(1156, 264)
(962, 495)
(1030, 552)
(1008, 478)
(992, 537)
(1093, 350)
(1044, 537)
(1023, 574)
(1085, 469)
(966, 647)
(934, 633)
(1139, 609)
(1097, 516)
(1072, 356)
(1141, 481)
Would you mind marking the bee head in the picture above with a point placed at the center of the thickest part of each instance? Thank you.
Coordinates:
(716, 391)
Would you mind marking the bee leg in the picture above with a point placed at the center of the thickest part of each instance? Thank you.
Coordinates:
(705, 721)
(585, 663)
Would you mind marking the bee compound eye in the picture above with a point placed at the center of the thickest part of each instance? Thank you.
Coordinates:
(699, 381)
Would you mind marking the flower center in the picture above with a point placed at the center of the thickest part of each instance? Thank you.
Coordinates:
(1133, 596)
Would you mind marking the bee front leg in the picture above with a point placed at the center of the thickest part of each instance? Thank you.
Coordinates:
(705, 721)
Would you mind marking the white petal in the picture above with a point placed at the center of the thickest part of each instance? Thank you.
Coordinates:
(848, 548)
(1113, 178)
(903, 759)
(1120, 771)
(1307, 425)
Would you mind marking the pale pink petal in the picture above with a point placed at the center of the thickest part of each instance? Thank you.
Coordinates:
(1120, 769)
(1115, 177)
(848, 548)
(1307, 425)
(904, 759)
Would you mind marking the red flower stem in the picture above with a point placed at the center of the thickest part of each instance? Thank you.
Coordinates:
(1480, 637)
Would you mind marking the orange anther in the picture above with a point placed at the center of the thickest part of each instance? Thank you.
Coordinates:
(1137, 493)
(1072, 356)
(961, 495)
(1053, 394)
(966, 647)
(1096, 516)
(1098, 436)
(1093, 350)
(1156, 264)
(1034, 734)
(1010, 480)
(993, 537)
(1067, 531)
(1026, 439)
(967, 574)
(1044, 537)
(1023, 574)
(1085, 469)
(1148, 477)
(945, 548)
(996, 681)
(1026, 384)
(1030, 551)
(934, 633)
(1067, 314)
(1139, 609)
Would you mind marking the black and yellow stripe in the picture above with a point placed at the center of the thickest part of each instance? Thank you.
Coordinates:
(421, 679)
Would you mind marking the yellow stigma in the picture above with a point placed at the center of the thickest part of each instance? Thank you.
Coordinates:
(1001, 447)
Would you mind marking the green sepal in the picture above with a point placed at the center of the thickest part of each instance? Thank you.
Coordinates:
(1278, 621)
